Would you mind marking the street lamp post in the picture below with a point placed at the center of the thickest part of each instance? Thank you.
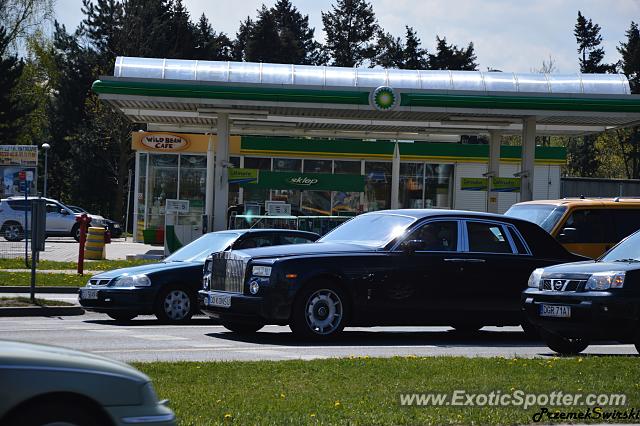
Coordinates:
(45, 147)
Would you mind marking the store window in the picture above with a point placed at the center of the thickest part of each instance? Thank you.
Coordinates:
(345, 203)
(438, 188)
(289, 196)
(256, 195)
(193, 182)
(411, 185)
(377, 193)
(234, 188)
(316, 203)
(163, 185)
(140, 196)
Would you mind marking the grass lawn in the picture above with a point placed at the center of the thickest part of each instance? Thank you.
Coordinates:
(364, 391)
(8, 302)
(91, 265)
(43, 280)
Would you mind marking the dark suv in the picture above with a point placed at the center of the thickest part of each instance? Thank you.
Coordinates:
(575, 303)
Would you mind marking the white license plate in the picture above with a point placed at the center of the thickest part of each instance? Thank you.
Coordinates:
(220, 300)
(555, 311)
(88, 294)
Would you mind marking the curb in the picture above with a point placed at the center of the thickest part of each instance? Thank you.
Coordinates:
(27, 289)
(41, 311)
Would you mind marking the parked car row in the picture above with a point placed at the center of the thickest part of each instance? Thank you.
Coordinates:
(396, 267)
(15, 217)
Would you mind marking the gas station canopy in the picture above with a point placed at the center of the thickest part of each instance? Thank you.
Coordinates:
(244, 98)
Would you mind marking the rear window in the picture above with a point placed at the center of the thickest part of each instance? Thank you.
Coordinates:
(627, 222)
(543, 215)
(19, 205)
(294, 239)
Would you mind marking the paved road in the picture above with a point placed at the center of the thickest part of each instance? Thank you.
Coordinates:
(145, 340)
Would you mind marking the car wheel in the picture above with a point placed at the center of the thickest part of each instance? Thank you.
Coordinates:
(122, 316)
(241, 327)
(12, 231)
(467, 328)
(53, 413)
(564, 345)
(319, 312)
(75, 232)
(175, 305)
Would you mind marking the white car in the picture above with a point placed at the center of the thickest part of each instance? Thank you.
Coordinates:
(61, 220)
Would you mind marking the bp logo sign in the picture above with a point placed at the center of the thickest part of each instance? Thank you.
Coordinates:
(384, 98)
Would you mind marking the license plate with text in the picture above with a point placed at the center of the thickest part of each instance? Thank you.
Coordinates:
(556, 311)
(89, 294)
(220, 300)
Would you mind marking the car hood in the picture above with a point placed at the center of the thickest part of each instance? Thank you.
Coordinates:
(148, 269)
(306, 249)
(25, 355)
(589, 267)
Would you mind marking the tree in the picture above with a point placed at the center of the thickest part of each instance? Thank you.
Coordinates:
(390, 51)
(21, 18)
(242, 38)
(588, 38)
(350, 27)
(547, 67)
(211, 45)
(451, 57)
(146, 28)
(297, 45)
(181, 35)
(630, 53)
(263, 43)
(415, 57)
(12, 109)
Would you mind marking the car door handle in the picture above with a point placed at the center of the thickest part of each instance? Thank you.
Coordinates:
(459, 260)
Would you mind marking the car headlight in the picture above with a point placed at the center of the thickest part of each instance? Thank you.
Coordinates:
(261, 271)
(534, 278)
(605, 280)
(140, 280)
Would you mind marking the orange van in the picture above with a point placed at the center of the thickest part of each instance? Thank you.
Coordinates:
(586, 226)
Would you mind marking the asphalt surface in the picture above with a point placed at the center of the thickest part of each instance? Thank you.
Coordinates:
(143, 339)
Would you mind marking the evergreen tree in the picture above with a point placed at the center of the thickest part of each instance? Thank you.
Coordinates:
(415, 57)
(390, 51)
(263, 43)
(297, 45)
(450, 57)
(350, 27)
(181, 37)
(146, 28)
(102, 25)
(588, 38)
(242, 38)
(630, 53)
(211, 45)
(12, 110)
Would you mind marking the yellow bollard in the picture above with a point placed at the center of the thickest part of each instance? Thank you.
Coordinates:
(94, 247)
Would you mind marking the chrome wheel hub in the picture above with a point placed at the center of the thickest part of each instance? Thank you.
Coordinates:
(177, 305)
(324, 311)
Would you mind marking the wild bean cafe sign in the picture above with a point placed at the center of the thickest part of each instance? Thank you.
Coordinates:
(303, 181)
(165, 142)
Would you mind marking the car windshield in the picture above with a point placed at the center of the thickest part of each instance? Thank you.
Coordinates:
(546, 216)
(627, 251)
(198, 250)
(374, 230)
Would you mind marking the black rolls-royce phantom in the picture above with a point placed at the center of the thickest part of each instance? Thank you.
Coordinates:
(393, 267)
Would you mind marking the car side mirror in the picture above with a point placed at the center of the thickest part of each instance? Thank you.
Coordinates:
(411, 246)
(567, 235)
(64, 212)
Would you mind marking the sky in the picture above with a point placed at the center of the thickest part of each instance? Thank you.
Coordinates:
(509, 35)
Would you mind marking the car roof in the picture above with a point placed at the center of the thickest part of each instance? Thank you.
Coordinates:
(585, 201)
(423, 213)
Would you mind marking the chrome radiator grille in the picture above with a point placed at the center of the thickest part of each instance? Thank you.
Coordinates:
(562, 284)
(228, 272)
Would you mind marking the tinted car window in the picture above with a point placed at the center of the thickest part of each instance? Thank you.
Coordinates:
(627, 222)
(294, 239)
(520, 247)
(53, 208)
(436, 236)
(256, 241)
(19, 205)
(487, 238)
(587, 226)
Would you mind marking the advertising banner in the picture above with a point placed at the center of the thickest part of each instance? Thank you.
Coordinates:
(237, 175)
(474, 184)
(309, 181)
(501, 184)
(18, 155)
